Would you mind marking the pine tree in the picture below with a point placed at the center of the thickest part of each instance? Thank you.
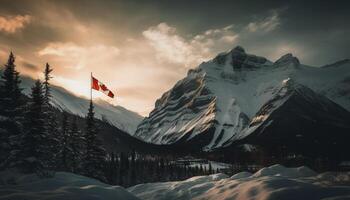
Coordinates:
(71, 145)
(112, 168)
(65, 147)
(34, 146)
(46, 83)
(201, 170)
(76, 145)
(132, 178)
(95, 154)
(11, 109)
(51, 125)
(122, 168)
(210, 170)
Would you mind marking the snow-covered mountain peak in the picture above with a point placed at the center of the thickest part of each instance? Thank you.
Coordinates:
(287, 59)
(238, 49)
(239, 60)
(219, 98)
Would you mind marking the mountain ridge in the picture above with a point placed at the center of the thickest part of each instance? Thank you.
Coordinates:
(227, 91)
(65, 100)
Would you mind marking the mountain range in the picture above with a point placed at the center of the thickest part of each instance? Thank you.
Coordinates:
(241, 98)
(235, 99)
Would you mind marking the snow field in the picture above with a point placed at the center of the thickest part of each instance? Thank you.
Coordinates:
(270, 183)
(64, 186)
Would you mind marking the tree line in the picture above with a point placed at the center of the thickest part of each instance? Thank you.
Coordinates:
(128, 169)
(33, 139)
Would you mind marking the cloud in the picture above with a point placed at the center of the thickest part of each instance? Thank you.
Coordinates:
(267, 24)
(173, 48)
(79, 57)
(73, 64)
(29, 66)
(124, 69)
(11, 24)
(62, 49)
(138, 68)
(168, 44)
(3, 56)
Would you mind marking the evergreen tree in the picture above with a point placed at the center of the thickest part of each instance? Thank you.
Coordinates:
(34, 148)
(11, 109)
(75, 144)
(201, 170)
(210, 170)
(65, 151)
(112, 168)
(132, 180)
(95, 154)
(122, 168)
(51, 126)
(46, 83)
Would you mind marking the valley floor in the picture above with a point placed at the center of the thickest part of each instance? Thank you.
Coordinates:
(275, 182)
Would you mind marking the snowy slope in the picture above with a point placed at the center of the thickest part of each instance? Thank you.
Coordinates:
(270, 183)
(313, 105)
(229, 90)
(63, 186)
(115, 115)
(298, 120)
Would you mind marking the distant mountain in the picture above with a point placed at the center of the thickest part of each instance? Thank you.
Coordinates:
(219, 101)
(64, 100)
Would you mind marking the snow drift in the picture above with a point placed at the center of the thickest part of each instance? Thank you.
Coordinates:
(271, 183)
(63, 186)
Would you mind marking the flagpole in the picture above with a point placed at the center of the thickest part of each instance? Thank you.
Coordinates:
(91, 87)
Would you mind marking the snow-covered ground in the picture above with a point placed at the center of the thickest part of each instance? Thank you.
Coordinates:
(270, 183)
(275, 182)
(64, 186)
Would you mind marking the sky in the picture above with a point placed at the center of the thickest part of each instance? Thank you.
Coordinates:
(140, 49)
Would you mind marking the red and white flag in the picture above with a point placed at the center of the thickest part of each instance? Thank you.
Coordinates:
(97, 85)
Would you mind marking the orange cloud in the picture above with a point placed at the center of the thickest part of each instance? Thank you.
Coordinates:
(80, 56)
(11, 24)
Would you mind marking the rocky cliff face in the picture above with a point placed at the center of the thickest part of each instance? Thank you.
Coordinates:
(226, 93)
